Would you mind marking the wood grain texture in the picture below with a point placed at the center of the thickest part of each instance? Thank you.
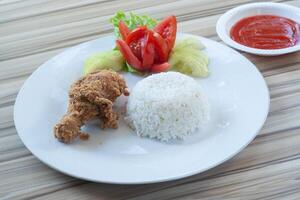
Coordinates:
(33, 31)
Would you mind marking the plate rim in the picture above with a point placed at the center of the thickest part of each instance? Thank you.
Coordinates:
(152, 180)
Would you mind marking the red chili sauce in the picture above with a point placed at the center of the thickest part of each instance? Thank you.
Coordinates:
(266, 32)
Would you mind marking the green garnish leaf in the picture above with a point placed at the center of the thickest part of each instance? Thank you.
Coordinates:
(132, 21)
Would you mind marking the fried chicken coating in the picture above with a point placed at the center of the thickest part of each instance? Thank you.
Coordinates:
(91, 97)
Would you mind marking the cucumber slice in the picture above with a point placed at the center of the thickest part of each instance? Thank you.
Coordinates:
(104, 60)
(188, 58)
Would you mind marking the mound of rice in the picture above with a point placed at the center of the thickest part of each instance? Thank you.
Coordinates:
(166, 106)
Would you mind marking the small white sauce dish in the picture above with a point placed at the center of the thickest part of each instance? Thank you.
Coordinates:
(227, 20)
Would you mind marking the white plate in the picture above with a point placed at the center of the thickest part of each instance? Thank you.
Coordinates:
(227, 20)
(239, 100)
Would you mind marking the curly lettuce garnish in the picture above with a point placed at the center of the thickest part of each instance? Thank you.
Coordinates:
(132, 21)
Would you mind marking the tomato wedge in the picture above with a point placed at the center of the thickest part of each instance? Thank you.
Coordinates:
(167, 28)
(161, 47)
(160, 67)
(136, 40)
(131, 59)
(148, 52)
(124, 30)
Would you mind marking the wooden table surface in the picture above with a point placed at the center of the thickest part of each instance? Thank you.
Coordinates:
(33, 31)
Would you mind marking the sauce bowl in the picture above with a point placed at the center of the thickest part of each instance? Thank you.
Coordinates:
(227, 20)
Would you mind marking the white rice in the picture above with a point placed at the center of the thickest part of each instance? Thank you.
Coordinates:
(167, 106)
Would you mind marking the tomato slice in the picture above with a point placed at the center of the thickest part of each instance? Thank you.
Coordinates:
(160, 67)
(167, 28)
(136, 40)
(124, 30)
(148, 52)
(131, 59)
(161, 47)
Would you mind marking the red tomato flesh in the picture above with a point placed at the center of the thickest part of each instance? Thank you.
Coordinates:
(148, 52)
(124, 30)
(161, 48)
(131, 59)
(157, 68)
(136, 40)
(167, 28)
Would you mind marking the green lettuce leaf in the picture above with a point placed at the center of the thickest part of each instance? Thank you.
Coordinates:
(132, 21)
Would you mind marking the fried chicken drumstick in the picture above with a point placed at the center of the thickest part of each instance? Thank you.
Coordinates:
(91, 97)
